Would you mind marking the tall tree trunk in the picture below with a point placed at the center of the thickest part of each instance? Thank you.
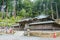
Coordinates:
(7, 12)
(2, 9)
(52, 11)
(14, 8)
(57, 11)
(14, 12)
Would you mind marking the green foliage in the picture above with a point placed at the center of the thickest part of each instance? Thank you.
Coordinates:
(25, 9)
(9, 22)
(23, 13)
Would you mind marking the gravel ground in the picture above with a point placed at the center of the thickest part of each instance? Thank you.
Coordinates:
(18, 36)
(13, 37)
(19, 33)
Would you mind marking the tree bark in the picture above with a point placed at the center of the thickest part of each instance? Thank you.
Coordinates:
(57, 11)
(52, 11)
(7, 12)
(14, 9)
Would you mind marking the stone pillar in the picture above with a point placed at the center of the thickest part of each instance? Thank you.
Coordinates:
(28, 32)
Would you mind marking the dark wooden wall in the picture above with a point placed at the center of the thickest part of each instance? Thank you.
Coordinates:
(45, 27)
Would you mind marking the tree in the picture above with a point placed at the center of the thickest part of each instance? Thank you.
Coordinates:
(28, 5)
(23, 13)
(9, 7)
